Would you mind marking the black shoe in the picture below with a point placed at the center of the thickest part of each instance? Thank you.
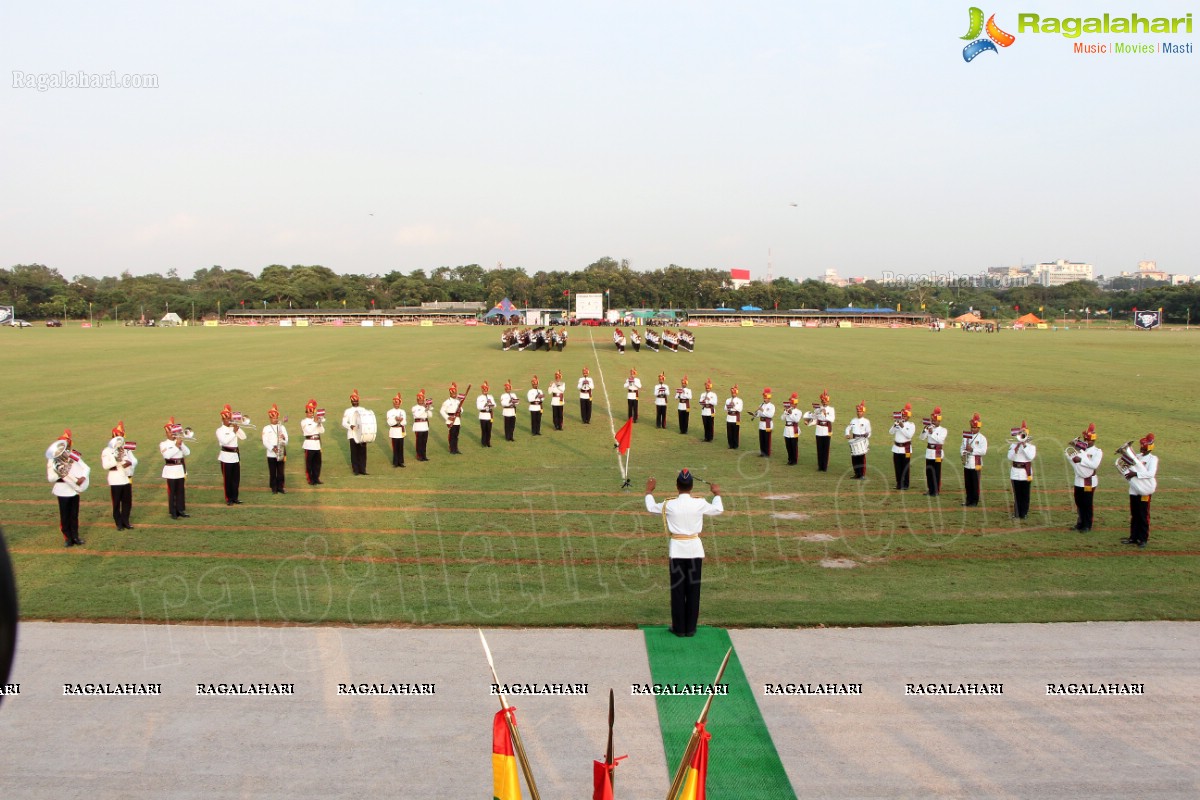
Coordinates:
(401, 466)
(1085, 530)
(120, 527)
(228, 502)
(691, 633)
(128, 527)
(318, 483)
(283, 491)
(1127, 540)
(182, 515)
(78, 541)
(68, 543)
(970, 505)
(1140, 545)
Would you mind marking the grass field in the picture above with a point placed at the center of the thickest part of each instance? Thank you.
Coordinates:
(538, 532)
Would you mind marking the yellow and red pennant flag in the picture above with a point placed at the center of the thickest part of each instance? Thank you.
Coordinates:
(505, 783)
(624, 437)
(697, 774)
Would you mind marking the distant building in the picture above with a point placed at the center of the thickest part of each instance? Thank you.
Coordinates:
(831, 278)
(1008, 277)
(739, 277)
(1057, 273)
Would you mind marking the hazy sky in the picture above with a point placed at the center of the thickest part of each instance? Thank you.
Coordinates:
(369, 137)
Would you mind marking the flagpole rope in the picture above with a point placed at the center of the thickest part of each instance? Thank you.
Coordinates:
(612, 427)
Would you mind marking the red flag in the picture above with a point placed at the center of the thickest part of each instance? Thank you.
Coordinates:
(624, 437)
(697, 774)
(601, 782)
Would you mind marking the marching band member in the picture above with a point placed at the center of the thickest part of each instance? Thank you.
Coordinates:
(558, 400)
(312, 426)
(451, 412)
(791, 428)
(633, 387)
(420, 418)
(358, 450)
(766, 421)
(823, 417)
(619, 340)
(175, 452)
(535, 397)
(635, 340)
(1085, 462)
(708, 409)
(669, 340)
(70, 477)
(651, 340)
(683, 396)
(661, 393)
(228, 436)
(585, 386)
(1143, 482)
(508, 409)
(687, 339)
(119, 462)
(1021, 452)
(902, 432)
(733, 418)
(859, 430)
(484, 405)
(397, 421)
(275, 440)
(934, 436)
(973, 449)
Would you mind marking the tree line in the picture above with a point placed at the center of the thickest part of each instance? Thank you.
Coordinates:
(40, 292)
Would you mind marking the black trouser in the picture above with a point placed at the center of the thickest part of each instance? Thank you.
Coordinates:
(683, 421)
(585, 411)
(358, 457)
(933, 476)
(685, 594)
(312, 466)
(901, 463)
(792, 445)
(1139, 517)
(764, 442)
(122, 503)
(535, 423)
(860, 465)
(733, 432)
(485, 432)
(68, 518)
(709, 425)
(231, 476)
(176, 496)
(556, 415)
(422, 445)
(822, 453)
(971, 484)
(1021, 491)
(452, 435)
(660, 416)
(632, 409)
(275, 473)
(510, 427)
(637, 347)
(398, 452)
(1084, 501)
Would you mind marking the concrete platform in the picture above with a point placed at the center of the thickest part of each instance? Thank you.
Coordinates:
(319, 743)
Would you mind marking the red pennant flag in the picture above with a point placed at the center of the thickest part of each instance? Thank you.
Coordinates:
(697, 774)
(624, 437)
(505, 784)
(601, 782)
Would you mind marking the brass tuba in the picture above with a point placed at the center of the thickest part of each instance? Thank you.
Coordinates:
(1128, 461)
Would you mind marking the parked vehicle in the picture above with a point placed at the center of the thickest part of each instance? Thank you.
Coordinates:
(53, 323)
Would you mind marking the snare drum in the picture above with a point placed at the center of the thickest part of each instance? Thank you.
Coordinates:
(365, 426)
(859, 446)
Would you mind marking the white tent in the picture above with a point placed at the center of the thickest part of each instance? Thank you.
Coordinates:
(170, 318)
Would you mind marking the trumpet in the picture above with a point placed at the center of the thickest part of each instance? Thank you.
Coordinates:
(187, 434)
(1127, 462)
(243, 421)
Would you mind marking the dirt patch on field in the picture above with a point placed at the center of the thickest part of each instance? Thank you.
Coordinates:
(818, 537)
(780, 496)
(838, 563)
(790, 515)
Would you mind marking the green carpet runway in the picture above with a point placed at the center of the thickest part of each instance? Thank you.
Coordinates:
(742, 760)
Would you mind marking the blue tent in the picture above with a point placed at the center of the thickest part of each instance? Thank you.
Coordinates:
(722, 309)
(504, 309)
(751, 308)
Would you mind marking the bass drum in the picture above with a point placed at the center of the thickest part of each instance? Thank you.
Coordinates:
(365, 426)
(859, 447)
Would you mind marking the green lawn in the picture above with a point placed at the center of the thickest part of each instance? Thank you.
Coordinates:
(538, 532)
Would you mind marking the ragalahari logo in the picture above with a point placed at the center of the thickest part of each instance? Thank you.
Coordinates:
(995, 36)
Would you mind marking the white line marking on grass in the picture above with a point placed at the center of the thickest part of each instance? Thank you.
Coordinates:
(612, 427)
